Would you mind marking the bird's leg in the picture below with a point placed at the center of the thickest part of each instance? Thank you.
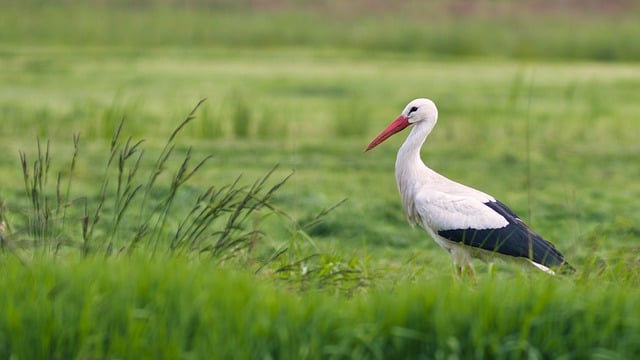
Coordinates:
(459, 271)
(463, 265)
(471, 273)
(465, 268)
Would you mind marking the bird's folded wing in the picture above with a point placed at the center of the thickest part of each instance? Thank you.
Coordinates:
(443, 211)
(487, 225)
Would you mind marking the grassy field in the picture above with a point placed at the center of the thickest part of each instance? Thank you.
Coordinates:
(159, 240)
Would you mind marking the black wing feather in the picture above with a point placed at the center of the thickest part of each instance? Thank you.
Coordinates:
(515, 239)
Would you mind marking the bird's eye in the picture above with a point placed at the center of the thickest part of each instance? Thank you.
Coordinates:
(413, 109)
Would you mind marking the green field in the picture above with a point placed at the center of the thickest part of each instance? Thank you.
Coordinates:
(261, 229)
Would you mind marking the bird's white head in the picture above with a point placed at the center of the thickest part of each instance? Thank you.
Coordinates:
(416, 111)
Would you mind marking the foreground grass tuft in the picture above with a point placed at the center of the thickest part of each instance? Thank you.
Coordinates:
(135, 205)
(150, 208)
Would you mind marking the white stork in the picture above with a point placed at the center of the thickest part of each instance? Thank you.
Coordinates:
(464, 221)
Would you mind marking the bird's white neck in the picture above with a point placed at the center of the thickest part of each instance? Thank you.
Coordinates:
(409, 152)
(410, 169)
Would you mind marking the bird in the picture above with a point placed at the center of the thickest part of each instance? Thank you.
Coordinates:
(466, 222)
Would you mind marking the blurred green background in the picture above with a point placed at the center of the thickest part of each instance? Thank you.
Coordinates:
(538, 103)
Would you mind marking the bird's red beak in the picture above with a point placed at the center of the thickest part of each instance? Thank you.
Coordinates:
(397, 125)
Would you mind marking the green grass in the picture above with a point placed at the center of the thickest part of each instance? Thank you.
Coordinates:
(526, 30)
(129, 307)
(555, 140)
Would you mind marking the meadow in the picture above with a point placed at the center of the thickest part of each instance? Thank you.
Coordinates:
(189, 181)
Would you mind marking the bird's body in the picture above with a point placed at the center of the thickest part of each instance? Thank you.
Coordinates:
(466, 222)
